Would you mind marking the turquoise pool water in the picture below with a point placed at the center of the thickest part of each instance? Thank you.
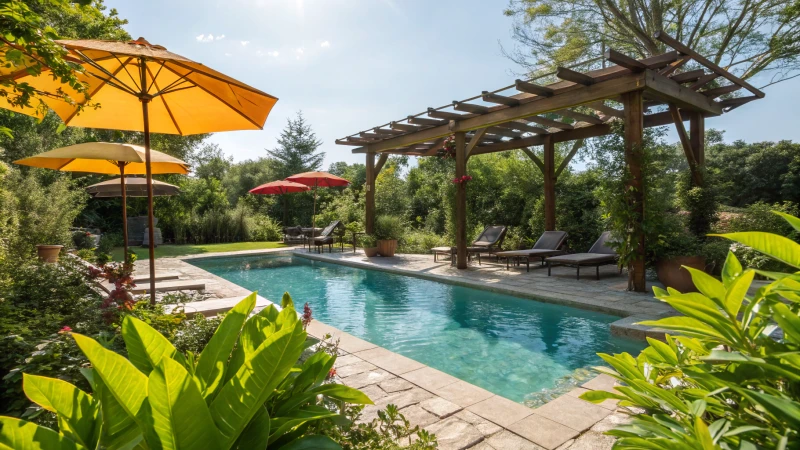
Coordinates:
(511, 346)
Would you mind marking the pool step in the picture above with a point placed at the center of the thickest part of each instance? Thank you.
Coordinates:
(160, 276)
(164, 286)
(210, 308)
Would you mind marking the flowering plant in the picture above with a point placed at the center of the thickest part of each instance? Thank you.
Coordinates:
(121, 275)
(449, 148)
(461, 180)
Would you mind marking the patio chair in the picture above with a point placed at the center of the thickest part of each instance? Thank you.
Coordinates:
(326, 237)
(549, 244)
(293, 235)
(600, 254)
(489, 241)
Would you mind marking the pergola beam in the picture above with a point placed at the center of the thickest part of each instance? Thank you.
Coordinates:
(625, 61)
(575, 77)
(664, 89)
(531, 88)
(549, 122)
(500, 99)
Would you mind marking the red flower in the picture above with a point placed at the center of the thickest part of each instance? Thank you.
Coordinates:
(64, 330)
(307, 317)
(331, 373)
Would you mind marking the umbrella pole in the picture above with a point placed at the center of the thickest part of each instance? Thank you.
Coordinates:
(314, 212)
(150, 225)
(124, 213)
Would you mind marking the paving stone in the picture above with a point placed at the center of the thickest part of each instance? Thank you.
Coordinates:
(352, 344)
(440, 407)
(566, 445)
(542, 431)
(483, 445)
(462, 393)
(354, 369)
(346, 360)
(454, 434)
(429, 378)
(572, 412)
(404, 399)
(593, 441)
(418, 416)
(500, 410)
(507, 440)
(392, 362)
(374, 392)
(612, 421)
(486, 428)
(396, 385)
(369, 413)
(367, 378)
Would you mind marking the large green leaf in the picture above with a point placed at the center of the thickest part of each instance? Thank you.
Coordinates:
(706, 284)
(784, 410)
(286, 301)
(793, 221)
(76, 410)
(280, 426)
(181, 418)
(240, 398)
(123, 380)
(731, 269)
(685, 325)
(146, 346)
(118, 430)
(781, 248)
(789, 321)
(256, 434)
(17, 434)
(212, 362)
(335, 391)
(737, 290)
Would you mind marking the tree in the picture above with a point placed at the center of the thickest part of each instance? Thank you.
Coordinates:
(747, 37)
(298, 149)
(210, 162)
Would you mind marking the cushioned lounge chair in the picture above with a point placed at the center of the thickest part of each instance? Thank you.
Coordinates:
(488, 242)
(326, 237)
(549, 244)
(600, 254)
(293, 235)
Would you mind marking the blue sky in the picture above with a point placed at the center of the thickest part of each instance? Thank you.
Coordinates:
(350, 65)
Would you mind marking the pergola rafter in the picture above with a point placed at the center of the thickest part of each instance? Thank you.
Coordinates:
(527, 114)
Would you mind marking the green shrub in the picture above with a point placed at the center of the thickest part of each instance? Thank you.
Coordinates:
(245, 396)
(758, 217)
(368, 241)
(389, 227)
(82, 240)
(421, 242)
(108, 241)
(725, 382)
(87, 254)
(264, 228)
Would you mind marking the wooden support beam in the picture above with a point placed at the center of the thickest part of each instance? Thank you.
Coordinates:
(685, 77)
(474, 140)
(578, 116)
(549, 122)
(470, 107)
(716, 92)
(662, 88)
(369, 197)
(447, 115)
(379, 166)
(673, 66)
(731, 103)
(624, 61)
(346, 141)
(565, 163)
(704, 80)
(601, 107)
(386, 132)
(530, 88)
(533, 157)
(514, 125)
(435, 148)
(685, 143)
(425, 121)
(697, 136)
(499, 99)
(634, 159)
(679, 46)
(368, 135)
(503, 129)
(549, 184)
(406, 127)
(568, 96)
(461, 202)
(575, 77)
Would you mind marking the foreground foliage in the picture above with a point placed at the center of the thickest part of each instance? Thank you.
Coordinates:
(726, 381)
(244, 390)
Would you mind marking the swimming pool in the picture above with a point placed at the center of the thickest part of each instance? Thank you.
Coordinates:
(513, 347)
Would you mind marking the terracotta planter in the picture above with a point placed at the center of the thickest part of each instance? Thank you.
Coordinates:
(371, 251)
(671, 274)
(48, 253)
(387, 247)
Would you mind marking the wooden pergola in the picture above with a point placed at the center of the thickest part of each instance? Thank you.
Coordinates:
(571, 109)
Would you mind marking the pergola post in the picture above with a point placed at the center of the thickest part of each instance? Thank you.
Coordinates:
(549, 184)
(369, 220)
(461, 201)
(697, 139)
(634, 157)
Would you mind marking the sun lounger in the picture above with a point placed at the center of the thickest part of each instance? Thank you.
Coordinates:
(600, 254)
(326, 237)
(549, 244)
(488, 242)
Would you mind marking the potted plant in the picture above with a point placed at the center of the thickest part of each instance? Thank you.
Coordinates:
(48, 253)
(675, 251)
(370, 245)
(388, 229)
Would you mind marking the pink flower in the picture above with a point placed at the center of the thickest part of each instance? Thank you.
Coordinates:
(64, 330)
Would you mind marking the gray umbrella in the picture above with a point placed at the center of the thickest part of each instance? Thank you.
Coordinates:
(134, 187)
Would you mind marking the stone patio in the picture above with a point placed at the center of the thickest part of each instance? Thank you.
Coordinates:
(460, 414)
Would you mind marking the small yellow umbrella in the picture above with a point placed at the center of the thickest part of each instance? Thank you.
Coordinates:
(143, 87)
(111, 159)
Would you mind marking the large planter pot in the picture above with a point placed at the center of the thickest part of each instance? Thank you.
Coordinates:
(671, 274)
(371, 251)
(49, 253)
(387, 247)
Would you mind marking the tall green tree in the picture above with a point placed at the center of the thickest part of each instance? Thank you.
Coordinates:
(298, 149)
(748, 37)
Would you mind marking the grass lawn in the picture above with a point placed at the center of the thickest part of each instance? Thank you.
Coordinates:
(167, 251)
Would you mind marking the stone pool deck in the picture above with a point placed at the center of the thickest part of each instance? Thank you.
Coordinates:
(460, 414)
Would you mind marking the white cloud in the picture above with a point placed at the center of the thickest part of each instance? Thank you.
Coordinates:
(209, 38)
(299, 50)
(274, 54)
(325, 44)
(220, 37)
(244, 43)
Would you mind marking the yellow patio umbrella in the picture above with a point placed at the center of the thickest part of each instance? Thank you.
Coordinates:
(111, 159)
(144, 87)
